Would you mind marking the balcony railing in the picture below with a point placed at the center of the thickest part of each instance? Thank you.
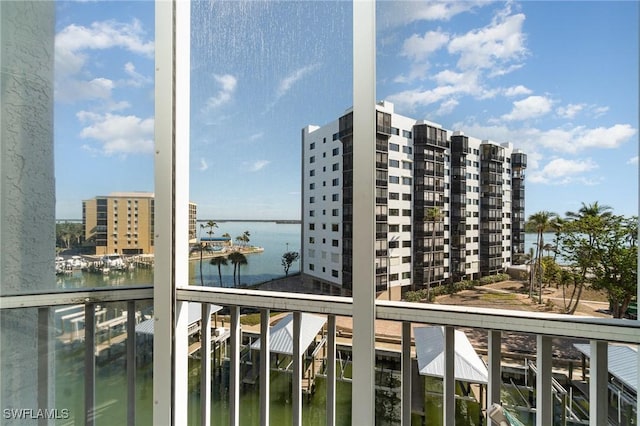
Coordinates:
(600, 333)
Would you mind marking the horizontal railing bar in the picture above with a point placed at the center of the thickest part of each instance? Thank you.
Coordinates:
(556, 325)
(75, 297)
(273, 300)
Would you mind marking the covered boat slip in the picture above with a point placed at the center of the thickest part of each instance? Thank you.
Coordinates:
(281, 347)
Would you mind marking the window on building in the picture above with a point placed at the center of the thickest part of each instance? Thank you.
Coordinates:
(394, 228)
(406, 259)
(334, 243)
(394, 147)
(335, 227)
(335, 197)
(394, 212)
(406, 243)
(406, 197)
(312, 226)
(394, 196)
(406, 180)
(407, 150)
(336, 151)
(336, 182)
(335, 167)
(394, 244)
(312, 159)
(406, 228)
(394, 179)
(394, 163)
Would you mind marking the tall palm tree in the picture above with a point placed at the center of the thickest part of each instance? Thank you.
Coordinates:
(245, 237)
(433, 215)
(210, 225)
(219, 261)
(587, 219)
(542, 221)
(237, 259)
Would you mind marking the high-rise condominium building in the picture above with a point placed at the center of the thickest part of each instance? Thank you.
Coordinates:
(448, 206)
(123, 222)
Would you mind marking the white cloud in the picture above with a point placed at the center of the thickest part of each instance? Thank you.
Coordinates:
(517, 91)
(135, 78)
(493, 46)
(531, 107)
(560, 171)
(72, 44)
(419, 48)
(447, 107)
(599, 111)
(287, 83)
(633, 161)
(257, 165)
(203, 165)
(569, 111)
(227, 86)
(256, 136)
(580, 138)
(394, 14)
(117, 134)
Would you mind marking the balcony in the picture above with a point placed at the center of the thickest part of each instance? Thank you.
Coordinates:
(497, 324)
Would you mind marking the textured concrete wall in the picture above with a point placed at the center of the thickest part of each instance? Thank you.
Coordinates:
(27, 189)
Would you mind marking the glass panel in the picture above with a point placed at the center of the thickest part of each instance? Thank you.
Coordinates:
(481, 86)
(103, 138)
(262, 71)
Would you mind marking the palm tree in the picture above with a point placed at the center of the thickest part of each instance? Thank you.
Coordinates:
(245, 237)
(542, 221)
(433, 215)
(586, 221)
(237, 259)
(219, 261)
(210, 225)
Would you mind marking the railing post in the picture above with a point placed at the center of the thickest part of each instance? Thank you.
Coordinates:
(495, 372)
(544, 393)
(89, 363)
(331, 371)
(363, 278)
(599, 383)
(234, 367)
(265, 359)
(406, 374)
(297, 370)
(43, 360)
(449, 391)
(131, 363)
(205, 365)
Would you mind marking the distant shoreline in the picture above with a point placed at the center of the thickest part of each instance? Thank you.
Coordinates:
(279, 221)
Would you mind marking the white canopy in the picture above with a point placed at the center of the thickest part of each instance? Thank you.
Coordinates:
(195, 312)
(468, 367)
(281, 334)
(622, 360)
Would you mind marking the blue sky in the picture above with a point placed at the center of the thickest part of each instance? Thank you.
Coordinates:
(559, 80)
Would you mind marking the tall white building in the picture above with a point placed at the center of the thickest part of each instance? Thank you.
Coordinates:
(448, 206)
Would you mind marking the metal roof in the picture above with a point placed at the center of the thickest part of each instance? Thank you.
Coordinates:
(468, 367)
(622, 360)
(195, 312)
(281, 334)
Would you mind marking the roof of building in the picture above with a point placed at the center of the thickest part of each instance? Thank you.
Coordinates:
(623, 362)
(195, 313)
(281, 334)
(469, 367)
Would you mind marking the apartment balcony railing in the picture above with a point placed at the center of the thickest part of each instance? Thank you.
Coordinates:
(600, 333)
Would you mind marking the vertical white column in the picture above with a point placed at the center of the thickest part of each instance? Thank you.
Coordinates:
(234, 368)
(495, 369)
(171, 209)
(449, 392)
(364, 138)
(265, 375)
(544, 394)
(296, 384)
(599, 383)
(331, 371)
(205, 365)
(406, 374)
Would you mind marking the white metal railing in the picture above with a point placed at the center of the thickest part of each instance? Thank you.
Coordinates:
(598, 331)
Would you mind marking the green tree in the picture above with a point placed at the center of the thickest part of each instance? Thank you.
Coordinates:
(237, 259)
(245, 237)
(287, 260)
(577, 245)
(219, 261)
(541, 220)
(616, 265)
(433, 216)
